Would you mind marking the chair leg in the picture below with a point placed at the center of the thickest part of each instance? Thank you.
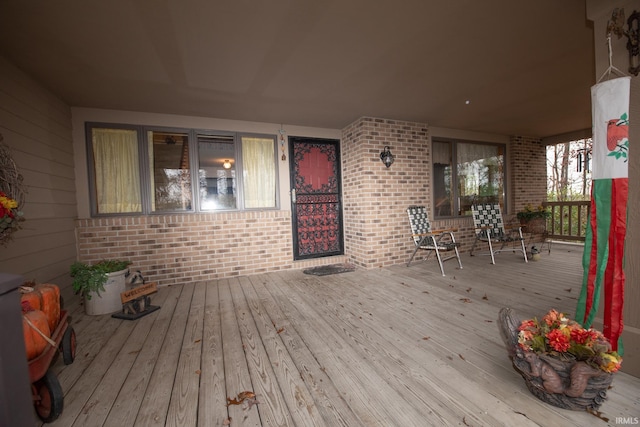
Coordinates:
(547, 241)
(475, 242)
(524, 248)
(439, 259)
(413, 254)
(458, 257)
(493, 261)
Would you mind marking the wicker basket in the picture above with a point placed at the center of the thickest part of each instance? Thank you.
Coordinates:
(596, 382)
(561, 382)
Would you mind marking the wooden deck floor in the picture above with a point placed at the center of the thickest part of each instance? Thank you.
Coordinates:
(388, 347)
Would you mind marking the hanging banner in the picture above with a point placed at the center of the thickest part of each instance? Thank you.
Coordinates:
(603, 255)
(610, 104)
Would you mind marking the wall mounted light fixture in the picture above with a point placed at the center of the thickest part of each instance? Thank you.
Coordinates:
(386, 157)
(226, 164)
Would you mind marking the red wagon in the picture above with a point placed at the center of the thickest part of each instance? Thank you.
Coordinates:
(45, 388)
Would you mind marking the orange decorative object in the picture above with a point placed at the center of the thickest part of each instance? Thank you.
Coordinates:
(32, 322)
(50, 303)
(32, 298)
(45, 297)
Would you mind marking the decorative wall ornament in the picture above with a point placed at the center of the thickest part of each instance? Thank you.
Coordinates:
(282, 143)
(11, 195)
(616, 26)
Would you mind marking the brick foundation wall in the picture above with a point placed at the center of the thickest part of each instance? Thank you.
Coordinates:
(174, 249)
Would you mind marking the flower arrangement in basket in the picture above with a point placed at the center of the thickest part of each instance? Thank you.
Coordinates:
(561, 362)
(11, 195)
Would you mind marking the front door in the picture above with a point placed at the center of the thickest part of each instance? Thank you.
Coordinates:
(316, 201)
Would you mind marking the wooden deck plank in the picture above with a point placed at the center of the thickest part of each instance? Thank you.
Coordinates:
(307, 326)
(329, 401)
(236, 369)
(402, 367)
(155, 404)
(89, 344)
(183, 409)
(212, 401)
(78, 399)
(444, 359)
(125, 408)
(274, 410)
(296, 397)
(395, 346)
(346, 361)
(106, 393)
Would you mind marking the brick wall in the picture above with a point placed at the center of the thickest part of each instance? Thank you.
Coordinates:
(171, 249)
(375, 198)
(528, 164)
(174, 249)
(377, 231)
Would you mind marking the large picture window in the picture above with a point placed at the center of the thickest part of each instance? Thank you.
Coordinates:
(465, 173)
(135, 169)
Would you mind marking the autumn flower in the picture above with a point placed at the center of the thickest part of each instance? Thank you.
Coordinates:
(9, 213)
(556, 334)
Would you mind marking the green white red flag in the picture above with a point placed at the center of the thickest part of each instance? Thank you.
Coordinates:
(603, 255)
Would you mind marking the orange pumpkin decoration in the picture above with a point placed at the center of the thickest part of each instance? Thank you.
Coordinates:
(50, 303)
(32, 297)
(34, 342)
(45, 297)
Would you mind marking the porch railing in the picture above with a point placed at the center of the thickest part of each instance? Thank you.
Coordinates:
(568, 220)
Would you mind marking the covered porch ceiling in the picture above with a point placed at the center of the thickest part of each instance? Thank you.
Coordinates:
(504, 67)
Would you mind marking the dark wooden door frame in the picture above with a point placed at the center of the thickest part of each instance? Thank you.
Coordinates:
(316, 207)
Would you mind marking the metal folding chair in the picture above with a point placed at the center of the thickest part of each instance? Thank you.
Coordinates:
(433, 241)
(490, 229)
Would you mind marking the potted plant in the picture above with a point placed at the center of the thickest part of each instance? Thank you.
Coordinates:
(100, 284)
(535, 219)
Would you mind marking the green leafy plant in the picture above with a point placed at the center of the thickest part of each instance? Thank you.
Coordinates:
(529, 213)
(92, 278)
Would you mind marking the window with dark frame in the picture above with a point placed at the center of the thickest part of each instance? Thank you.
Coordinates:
(465, 173)
(143, 170)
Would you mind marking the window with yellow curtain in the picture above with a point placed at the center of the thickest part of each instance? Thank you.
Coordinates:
(116, 171)
(258, 172)
(153, 169)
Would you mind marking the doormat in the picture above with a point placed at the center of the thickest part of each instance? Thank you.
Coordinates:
(325, 270)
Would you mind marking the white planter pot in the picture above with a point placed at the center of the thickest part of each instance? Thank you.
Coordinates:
(109, 300)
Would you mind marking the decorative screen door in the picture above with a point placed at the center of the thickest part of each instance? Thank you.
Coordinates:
(316, 201)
